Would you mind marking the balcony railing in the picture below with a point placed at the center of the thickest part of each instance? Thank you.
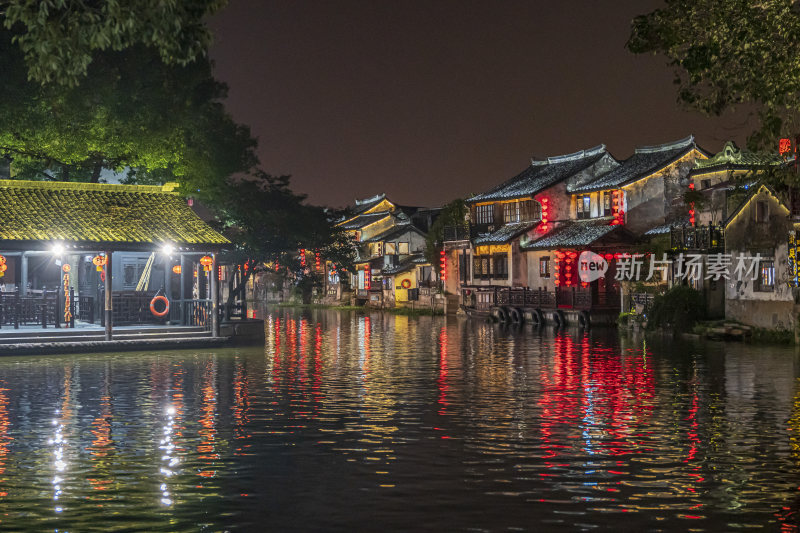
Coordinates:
(701, 238)
(484, 298)
(457, 233)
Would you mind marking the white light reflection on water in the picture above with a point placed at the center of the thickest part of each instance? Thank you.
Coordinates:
(169, 461)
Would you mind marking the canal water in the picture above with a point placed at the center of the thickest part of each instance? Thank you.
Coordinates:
(367, 422)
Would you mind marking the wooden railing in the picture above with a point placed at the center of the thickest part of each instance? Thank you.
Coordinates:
(702, 238)
(484, 298)
(41, 307)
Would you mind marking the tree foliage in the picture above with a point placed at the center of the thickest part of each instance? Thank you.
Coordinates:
(731, 53)
(452, 214)
(60, 39)
(131, 112)
(269, 223)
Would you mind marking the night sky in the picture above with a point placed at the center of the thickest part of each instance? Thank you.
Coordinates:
(434, 100)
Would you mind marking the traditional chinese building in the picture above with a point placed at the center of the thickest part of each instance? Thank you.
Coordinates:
(386, 237)
(83, 252)
(756, 221)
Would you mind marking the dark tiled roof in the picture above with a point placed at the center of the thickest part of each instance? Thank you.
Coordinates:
(506, 233)
(754, 191)
(394, 232)
(645, 161)
(405, 265)
(663, 229)
(572, 234)
(366, 203)
(732, 158)
(543, 174)
(364, 220)
(93, 212)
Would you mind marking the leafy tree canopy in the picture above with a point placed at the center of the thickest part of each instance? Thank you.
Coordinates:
(131, 112)
(268, 222)
(60, 39)
(730, 53)
(452, 214)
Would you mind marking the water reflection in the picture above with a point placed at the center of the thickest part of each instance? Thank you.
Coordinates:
(344, 420)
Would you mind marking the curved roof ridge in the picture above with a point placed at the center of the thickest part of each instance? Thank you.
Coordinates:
(582, 154)
(683, 143)
(375, 198)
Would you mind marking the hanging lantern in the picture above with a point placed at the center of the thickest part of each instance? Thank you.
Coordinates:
(99, 261)
(66, 267)
(443, 265)
(206, 261)
(302, 257)
(316, 261)
(176, 269)
(2, 260)
(3, 268)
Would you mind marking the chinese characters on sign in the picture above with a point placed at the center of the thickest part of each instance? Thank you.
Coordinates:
(630, 267)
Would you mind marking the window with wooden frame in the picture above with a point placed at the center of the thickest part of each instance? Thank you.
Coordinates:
(390, 248)
(544, 267)
(530, 210)
(583, 205)
(766, 276)
(484, 214)
(510, 212)
(500, 263)
(607, 210)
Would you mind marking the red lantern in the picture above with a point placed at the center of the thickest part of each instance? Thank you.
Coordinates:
(99, 261)
(302, 257)
(206, 261)
(443, 265)
(176, 269)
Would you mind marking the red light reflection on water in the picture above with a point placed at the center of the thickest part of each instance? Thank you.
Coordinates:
(207, 448)
(588, 385)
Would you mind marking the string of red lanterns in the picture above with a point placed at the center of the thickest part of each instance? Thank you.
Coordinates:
(442, 265)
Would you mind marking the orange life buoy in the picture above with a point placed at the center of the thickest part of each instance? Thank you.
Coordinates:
(406, 283)
(163, 313)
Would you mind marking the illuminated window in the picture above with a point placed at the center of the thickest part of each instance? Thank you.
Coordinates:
(583, 204)
(766, 279)
(402, 248)
(485, 214)
(544, 267)
(607, 211)
(390, 248)
(511, 212)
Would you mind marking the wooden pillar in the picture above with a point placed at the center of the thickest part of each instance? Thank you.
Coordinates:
(214, 297)
(108, 300)
(23, 274)
(183, 290)
(168, 283)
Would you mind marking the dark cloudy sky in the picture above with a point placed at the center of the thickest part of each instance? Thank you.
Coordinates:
(434, 100)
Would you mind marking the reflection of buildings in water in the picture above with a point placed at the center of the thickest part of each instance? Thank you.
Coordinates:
(241, 407)
(207, 453)
(101, 450)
